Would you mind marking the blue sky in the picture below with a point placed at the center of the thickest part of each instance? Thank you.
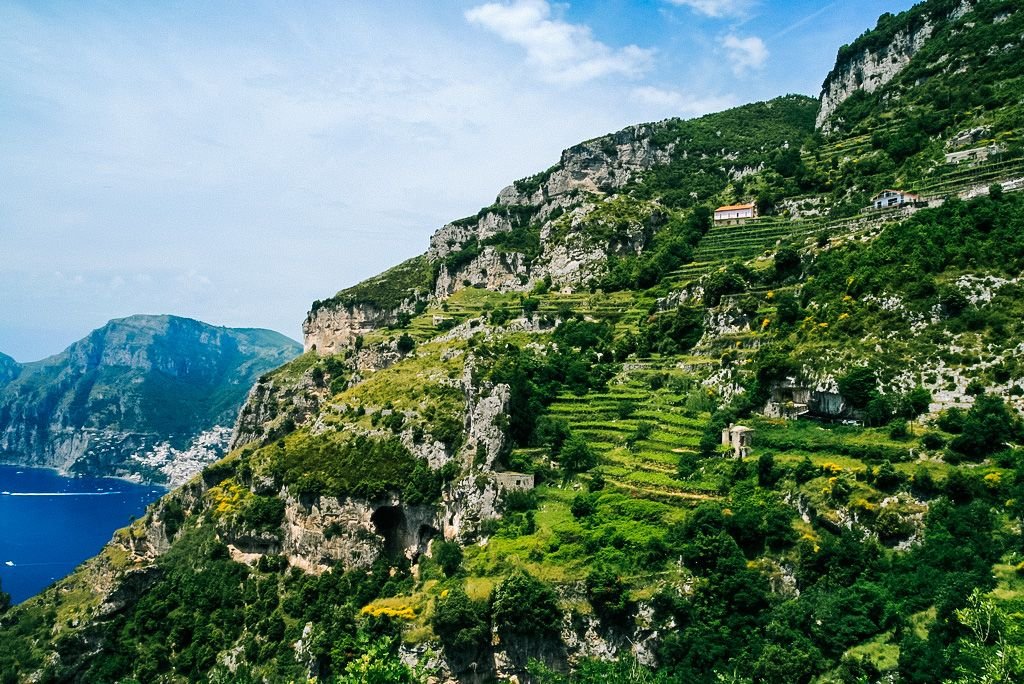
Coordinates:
(234, 161)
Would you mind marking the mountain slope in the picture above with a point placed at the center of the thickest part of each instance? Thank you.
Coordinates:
(132, 395)
(506, 457)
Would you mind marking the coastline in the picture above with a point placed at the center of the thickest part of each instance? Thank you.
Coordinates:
(79, 476)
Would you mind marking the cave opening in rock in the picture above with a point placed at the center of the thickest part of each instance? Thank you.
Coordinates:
(424, 537)
(388, 522)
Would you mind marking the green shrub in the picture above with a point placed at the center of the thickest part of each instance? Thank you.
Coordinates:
(405, 344)
(887, 478)
(460, 622)
(522, 605)
(898, 429)
(264, 513)
(448, 556)
(583, 505)
(577, 456)
(858, 386)
(608, 595)
(932, 441)
(986, 427)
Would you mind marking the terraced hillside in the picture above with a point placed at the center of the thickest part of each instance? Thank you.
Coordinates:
(504, 458)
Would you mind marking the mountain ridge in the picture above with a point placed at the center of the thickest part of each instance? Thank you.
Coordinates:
(101, 406)
(548, 479)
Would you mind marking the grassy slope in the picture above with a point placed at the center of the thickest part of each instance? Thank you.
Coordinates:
(646, 495)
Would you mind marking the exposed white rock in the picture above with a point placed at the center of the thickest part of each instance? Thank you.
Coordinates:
(332, 329)
(492, 269)
(869, 71)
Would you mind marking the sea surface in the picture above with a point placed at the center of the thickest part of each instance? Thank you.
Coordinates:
(50, 523)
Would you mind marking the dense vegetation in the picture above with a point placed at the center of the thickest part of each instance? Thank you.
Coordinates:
(756, 136)
(401, 284)
(872, 534)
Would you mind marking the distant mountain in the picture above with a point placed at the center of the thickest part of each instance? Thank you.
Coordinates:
(9, 369)
(147, 397)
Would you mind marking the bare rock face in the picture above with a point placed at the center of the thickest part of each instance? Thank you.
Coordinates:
(869, 71)
(331, 330)
(329, 531)
(271, 403)
(872, 69)
(484, 432)
(585, 172)
(493, 270)
(600, 165)
(452, 236)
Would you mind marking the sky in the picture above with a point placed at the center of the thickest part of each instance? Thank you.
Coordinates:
(233, 161)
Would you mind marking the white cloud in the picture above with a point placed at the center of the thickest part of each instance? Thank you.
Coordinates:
(562, 53)
(675, 103)
(715, 8)
(745, 54)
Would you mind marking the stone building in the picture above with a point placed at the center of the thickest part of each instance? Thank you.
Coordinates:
(509, 481)
(738, 438)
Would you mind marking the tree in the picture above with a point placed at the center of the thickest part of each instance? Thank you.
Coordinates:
(787, 309)
(405, 343)
(378, 664)
(583, 505)
(887, 478)
(448, 556)
(523, 605)
(576, 455)
(991, 652)
(987, 426)
(858, 386)
(805, 471)
(787, 262)
(5, 600)
(552, 433)
(766, 472)
(915, 402)
(460, 622)
(608, 595)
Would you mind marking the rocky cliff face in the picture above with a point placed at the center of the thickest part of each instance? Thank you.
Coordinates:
(556, 204)
(9, 369)
(867, 66)
(146, 397)
(869, 71)
(331, 330)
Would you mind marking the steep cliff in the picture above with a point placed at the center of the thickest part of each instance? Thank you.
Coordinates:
(334, 325)
(488, 471)
(9, 369)
(873, 60)
(604, 201)
(148, 397)
(946, 56)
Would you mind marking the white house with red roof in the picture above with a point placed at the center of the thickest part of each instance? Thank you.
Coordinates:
(735, 213)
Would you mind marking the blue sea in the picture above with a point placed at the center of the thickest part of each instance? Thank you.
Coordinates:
(50, 523)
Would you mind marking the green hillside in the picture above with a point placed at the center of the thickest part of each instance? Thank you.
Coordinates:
(373, 524)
